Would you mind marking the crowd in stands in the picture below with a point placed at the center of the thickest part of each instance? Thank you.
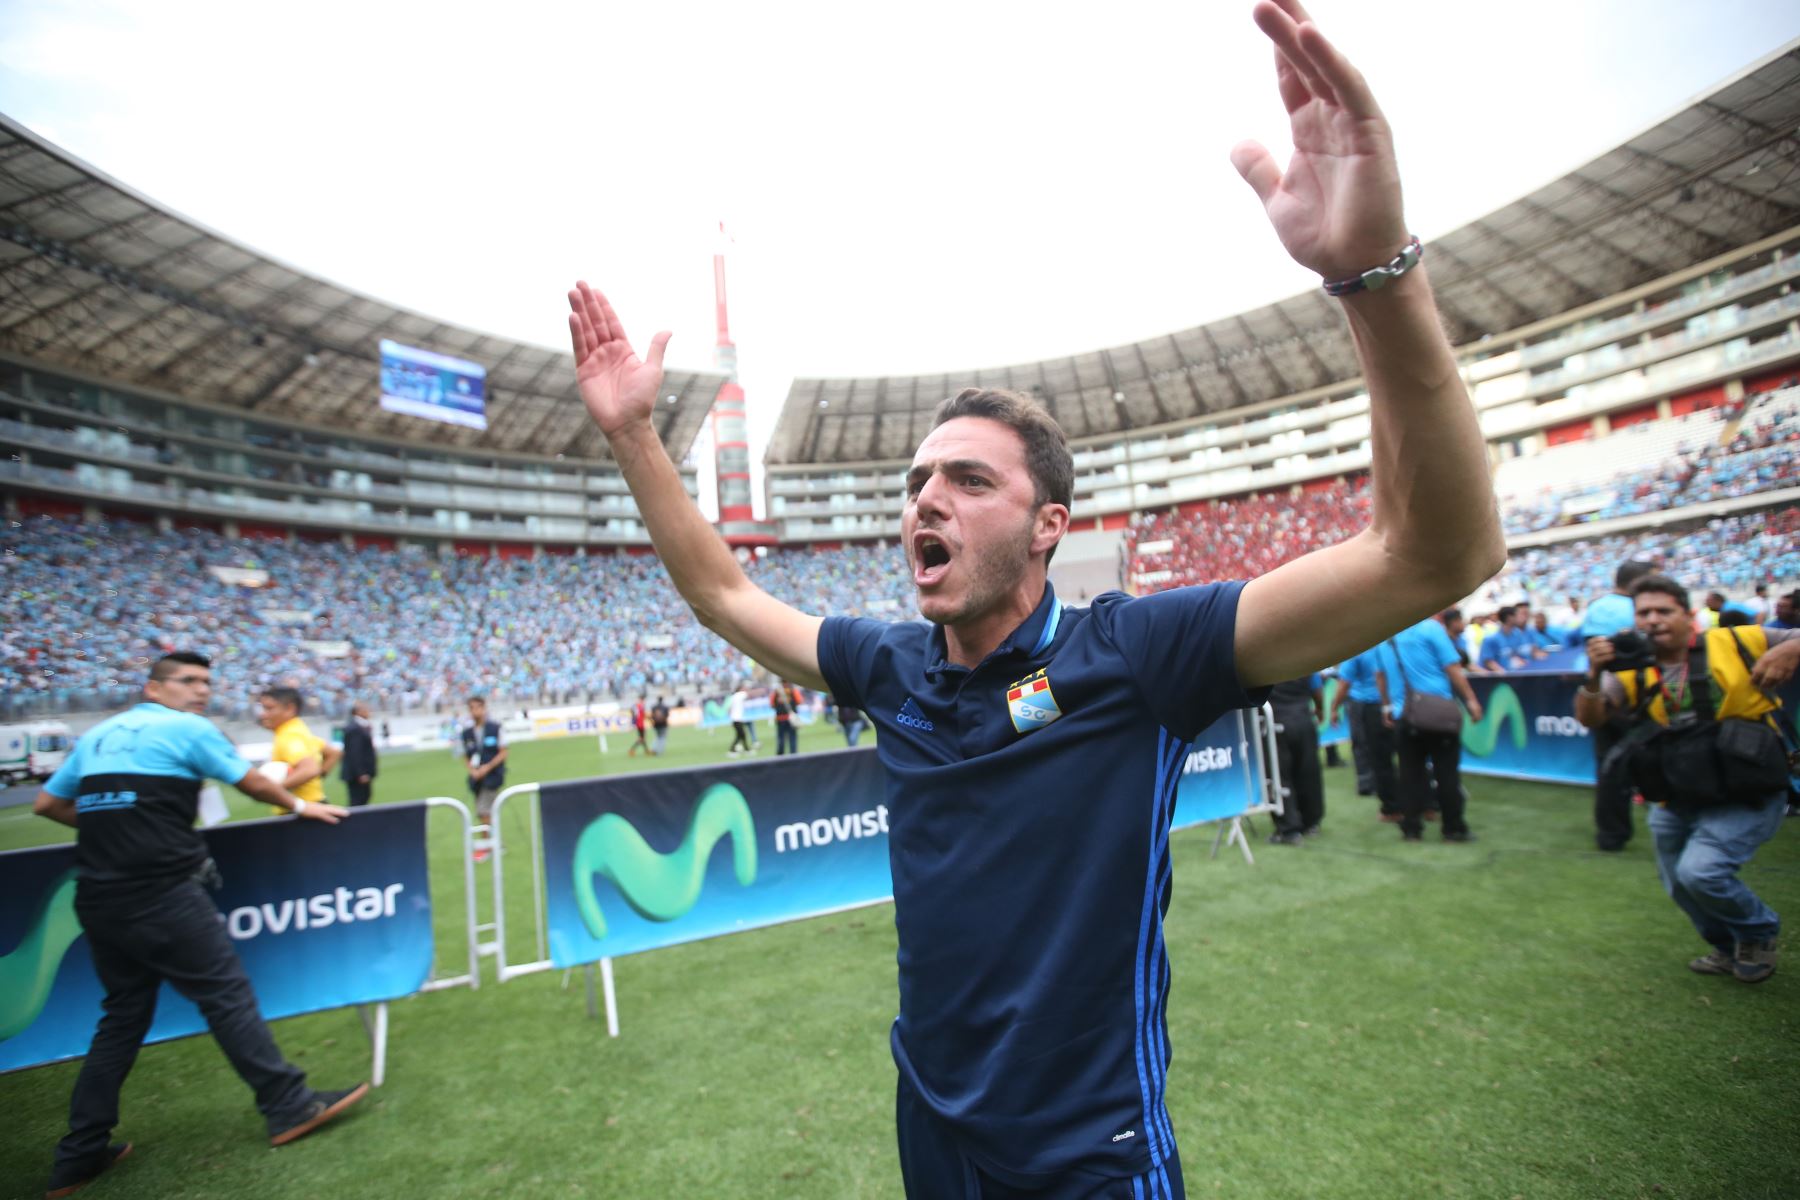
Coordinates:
(88, 606)
(1733, 553)
(1241, 539)
(1763, 454)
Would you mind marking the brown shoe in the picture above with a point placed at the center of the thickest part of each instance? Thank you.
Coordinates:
(1716, 963)
(321, 1108)
(1755, 961)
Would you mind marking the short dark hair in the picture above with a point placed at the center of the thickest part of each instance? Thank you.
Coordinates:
(167, 665)
(1662, 585)
(288, 696)
(1630, 572)
(476, 700)
(1505, 612)
(1047, 457)
(1047, 454)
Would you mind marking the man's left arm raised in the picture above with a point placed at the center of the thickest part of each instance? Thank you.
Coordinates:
(1434, 533)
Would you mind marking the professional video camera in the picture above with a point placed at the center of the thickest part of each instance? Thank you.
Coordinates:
(1631, 652)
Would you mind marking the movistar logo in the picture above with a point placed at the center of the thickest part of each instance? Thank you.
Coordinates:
(661, 887)
(1503, 708)
(29, 972)
(1207, 758)
(910, 716)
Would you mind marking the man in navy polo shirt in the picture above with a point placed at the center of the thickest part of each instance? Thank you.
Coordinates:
(1032, 750)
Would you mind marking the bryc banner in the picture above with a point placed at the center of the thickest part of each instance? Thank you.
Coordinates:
(322, 916)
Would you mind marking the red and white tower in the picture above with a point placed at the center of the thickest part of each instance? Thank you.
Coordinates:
(731, 434)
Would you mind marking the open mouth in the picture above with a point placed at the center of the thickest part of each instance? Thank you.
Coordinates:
(931, 559)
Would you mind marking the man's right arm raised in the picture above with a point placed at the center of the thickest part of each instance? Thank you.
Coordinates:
(620, 391)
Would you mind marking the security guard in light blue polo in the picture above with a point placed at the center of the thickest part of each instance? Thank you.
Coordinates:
(131, 791)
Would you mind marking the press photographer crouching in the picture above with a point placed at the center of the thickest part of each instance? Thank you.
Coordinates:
(1705, 747)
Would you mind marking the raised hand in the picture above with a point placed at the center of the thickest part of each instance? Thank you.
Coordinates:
(1337, 206)
(617, 386)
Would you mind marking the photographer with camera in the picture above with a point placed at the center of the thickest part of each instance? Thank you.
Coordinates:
(1702, 743)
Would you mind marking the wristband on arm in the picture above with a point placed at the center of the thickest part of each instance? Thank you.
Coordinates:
(1376, 278)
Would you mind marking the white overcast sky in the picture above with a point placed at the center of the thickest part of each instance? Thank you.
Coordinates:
(910, 188)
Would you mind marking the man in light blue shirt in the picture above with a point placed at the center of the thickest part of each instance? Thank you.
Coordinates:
(1371, 738)
(1429, 665)
(1614, 612)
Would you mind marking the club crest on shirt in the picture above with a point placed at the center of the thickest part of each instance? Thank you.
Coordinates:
(1031, 703)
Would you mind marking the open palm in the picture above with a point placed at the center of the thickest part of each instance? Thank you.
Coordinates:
(1337, 207)
(617, 386)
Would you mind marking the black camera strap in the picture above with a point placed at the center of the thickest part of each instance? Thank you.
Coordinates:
(1699, 687)
(1750, 667)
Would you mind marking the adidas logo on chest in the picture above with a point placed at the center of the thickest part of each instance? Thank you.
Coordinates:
(911, 717)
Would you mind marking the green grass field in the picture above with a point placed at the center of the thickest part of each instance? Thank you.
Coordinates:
(1351, 1018)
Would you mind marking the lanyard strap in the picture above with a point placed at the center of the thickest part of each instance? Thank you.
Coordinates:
(1049, 632)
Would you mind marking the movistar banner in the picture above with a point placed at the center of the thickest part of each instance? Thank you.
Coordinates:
(1528, 729)
(1221, 776)
(635, 862)
(322, 916)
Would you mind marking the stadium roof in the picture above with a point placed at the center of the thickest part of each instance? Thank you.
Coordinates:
(1720, 174)
(102, 280)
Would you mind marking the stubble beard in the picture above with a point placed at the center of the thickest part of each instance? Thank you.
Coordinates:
(996, 573)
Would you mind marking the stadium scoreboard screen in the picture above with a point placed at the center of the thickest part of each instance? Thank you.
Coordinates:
(437, 387)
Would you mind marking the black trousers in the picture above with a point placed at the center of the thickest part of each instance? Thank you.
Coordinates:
(1612, 800)
(740, 735)
(1302, 779)
(787, 738)
(176, 936)
(1444, 752)
(359, 792)
(1375, 744)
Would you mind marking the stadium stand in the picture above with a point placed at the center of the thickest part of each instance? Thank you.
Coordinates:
(176, 403)
(88, 606)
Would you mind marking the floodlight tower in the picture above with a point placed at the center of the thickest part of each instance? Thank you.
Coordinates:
(731, 435)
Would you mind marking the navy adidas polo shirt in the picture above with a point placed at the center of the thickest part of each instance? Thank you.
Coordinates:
(1029, 806)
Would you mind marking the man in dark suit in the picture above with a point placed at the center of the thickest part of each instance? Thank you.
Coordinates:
(359, 755)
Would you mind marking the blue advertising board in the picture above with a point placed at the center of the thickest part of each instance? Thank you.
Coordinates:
(637, 862)
(321, 915)
(1528, 729)
(1221, 777)
(630, 862)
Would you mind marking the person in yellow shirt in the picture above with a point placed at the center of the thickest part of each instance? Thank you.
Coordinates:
(308, 756)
